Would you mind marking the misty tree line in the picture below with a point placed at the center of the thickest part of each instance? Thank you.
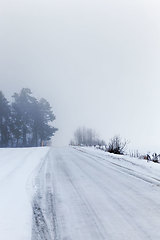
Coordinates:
(88, 137)
(25, 122)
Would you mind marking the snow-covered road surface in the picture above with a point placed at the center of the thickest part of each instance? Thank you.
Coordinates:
(83, 194)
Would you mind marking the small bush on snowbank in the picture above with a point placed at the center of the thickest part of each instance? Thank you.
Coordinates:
(116, 145)
(154, 157)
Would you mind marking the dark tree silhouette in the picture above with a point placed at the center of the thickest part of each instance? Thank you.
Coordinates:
(26, 122)
(116, 145)
(4, 121)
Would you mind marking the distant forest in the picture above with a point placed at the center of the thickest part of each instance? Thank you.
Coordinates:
(26, 121)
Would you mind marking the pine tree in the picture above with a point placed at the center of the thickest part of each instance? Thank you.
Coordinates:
(4, 121)
(26, 122)
(22, 114)
(46, 116)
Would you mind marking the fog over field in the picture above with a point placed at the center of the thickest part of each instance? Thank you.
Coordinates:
(96, 62)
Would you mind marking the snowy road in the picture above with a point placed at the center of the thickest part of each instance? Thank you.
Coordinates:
(87, 195)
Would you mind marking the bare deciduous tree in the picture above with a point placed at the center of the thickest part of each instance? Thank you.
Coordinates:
(116, 145)
(85, 136)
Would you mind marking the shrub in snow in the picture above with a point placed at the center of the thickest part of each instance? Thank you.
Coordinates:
(155, 157)
(116, 145)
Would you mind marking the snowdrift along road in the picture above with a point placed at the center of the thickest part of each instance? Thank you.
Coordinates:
(75, 194)
(17, 169)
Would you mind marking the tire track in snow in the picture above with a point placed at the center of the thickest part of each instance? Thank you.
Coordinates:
(64, 207)
(43, 204)
(86, 207)
(119, 208)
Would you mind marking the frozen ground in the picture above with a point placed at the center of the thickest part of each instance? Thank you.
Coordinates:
(77, 194)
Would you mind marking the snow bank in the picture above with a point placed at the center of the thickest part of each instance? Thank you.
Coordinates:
(140, 166)
(16, 168)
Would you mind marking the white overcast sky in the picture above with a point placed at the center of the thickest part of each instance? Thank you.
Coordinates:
(97, 62)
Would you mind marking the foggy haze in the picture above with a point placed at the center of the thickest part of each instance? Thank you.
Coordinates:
(96, 62)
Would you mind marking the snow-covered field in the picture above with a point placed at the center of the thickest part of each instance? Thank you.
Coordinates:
(77, 194)
(17, 167)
